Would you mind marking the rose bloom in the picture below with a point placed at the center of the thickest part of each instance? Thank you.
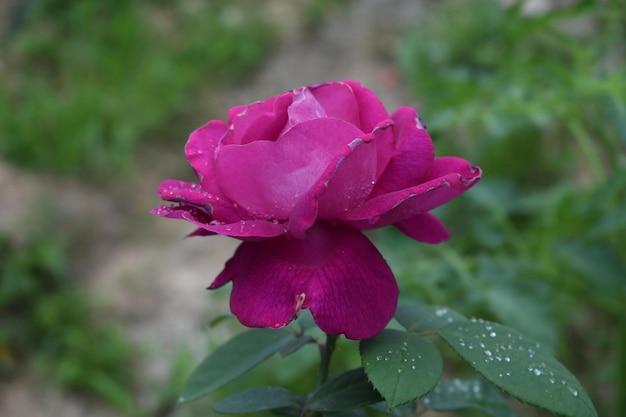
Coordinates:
(298, 178)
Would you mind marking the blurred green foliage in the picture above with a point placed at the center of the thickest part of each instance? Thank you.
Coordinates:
(88, 81)
(539, 102)
(49, 323)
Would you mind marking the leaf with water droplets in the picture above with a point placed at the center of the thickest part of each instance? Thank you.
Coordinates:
(420, 318)
(347, 391)
(255, 400)
(519, 366)
(235, 357)
(457, 394)
(402, 366)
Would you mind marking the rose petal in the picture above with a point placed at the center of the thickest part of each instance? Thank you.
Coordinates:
(249, 230)
(371, 109)
(200, 151)
(263, 120)
(336, 272)
(338, 101)
(350, 184)
(303, 108)
(269, 179)
(188, 193)
(404, 204)
(424, 228)
(413, 155)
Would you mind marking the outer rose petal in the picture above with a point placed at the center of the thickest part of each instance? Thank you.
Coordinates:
(371, 109)
(336, 272)
(424, 228)
(413, 155)
(200, 150)
(248, 230)
(457, 176)
(338, 101)
(263, 120)
(188, 193)
(270, 179)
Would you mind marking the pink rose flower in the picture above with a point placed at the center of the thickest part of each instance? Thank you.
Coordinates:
(298, 178)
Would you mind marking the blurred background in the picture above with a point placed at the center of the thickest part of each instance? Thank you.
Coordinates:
(103, 308)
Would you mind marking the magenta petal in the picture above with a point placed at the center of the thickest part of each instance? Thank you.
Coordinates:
(371, 109)
(248, 230)
(336, 272)
(351, 183)
(404, 204)
(413, 155)
(200, 150)
(188, 193)
(303, 108)
(269, 179)
(183, 191)
(262, 120)
(424, 228)
(338, 101)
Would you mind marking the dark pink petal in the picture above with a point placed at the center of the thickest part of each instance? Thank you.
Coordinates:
(404, 204)
(336, 272)
(188, 193)
(183, 191)
(263, 120)
(200, 150)
(337, 99)
(424, 228)
(385, 145)
(304, 107)
(276, 180)
(241, 229)
(307, 209)
(413, 155)
(350, 184)
(371, 109)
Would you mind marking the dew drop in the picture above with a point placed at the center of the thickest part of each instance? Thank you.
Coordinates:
(492, 334)
(488, 352)
(537, 371)
(573, 391)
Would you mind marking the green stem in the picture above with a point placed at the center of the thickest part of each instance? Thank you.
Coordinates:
(326, 352)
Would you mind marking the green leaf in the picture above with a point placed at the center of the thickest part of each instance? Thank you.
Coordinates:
(298, 343)
(402, 366)
(521, 308)
(401, 411)
(420, 318)
(519, 366)
(237, 356)
(347, 391)
(305, 321)
(475, 393)
(255, 400)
